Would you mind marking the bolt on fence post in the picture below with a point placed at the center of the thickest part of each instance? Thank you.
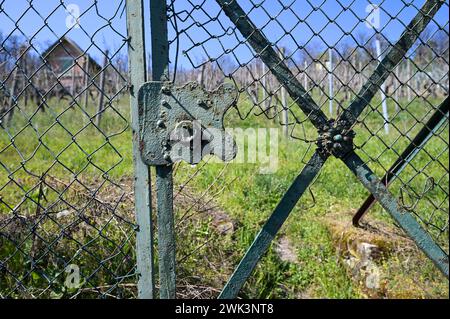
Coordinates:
(164, 173)
(142, 189)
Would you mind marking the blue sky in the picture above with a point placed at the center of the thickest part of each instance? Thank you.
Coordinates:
(50, 24)
(96, 28)
(394, 15)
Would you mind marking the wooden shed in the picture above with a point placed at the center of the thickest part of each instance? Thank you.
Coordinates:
(68, 62)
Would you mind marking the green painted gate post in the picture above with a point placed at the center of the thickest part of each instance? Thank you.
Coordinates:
(142, 189)
(164, 178)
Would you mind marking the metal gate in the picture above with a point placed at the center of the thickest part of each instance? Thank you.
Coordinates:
(355, 83)
(205, 28)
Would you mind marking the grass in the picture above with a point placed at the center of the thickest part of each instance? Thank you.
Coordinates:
(80, 164)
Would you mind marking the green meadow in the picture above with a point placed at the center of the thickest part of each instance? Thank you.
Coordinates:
(83, 211)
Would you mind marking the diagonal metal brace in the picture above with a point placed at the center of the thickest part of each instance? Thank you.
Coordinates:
(276, 65)
(184, 123)
(400, 214)
(272, 226)
(390, 61)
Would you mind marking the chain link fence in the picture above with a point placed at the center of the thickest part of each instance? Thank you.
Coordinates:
(66, 214)
(332, 49)
(66, 203)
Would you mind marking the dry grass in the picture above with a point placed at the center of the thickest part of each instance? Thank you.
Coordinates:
(405, 272)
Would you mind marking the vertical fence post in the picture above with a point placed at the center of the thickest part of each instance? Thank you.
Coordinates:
(73, 89)
(264, 86)
(142, 190)
(101, 99)
(408, 78)
(164, 174)
(12, 99)
(284, 102)
(86, 81)
(397, 88)
(25, 80)
(305, 76)
(383, 90)
(330, 80)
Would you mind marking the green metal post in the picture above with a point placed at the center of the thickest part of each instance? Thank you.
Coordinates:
(164, 178)
(271, 227)
(142, 189)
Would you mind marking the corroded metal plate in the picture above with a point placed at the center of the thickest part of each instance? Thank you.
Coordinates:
(184, 123)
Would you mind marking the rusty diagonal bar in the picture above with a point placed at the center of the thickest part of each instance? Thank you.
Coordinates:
(263, 47)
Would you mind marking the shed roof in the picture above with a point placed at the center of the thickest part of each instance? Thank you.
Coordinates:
(66, 41)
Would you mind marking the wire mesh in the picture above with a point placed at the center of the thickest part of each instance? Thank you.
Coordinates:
(331, 48)
(65, 189)
(66, 215)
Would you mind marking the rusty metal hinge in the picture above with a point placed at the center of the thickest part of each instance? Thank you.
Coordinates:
(184, 123)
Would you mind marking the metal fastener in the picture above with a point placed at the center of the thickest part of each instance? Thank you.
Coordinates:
(337, 138)
(165, 90)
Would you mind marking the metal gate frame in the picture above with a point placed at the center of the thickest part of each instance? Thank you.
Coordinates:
(335, 139)
(142, 180)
